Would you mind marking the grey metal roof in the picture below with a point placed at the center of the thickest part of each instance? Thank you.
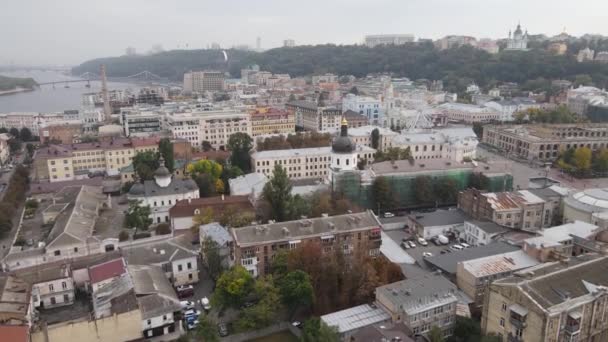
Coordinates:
(488, 226)
(555, 283)
(177, 186)
(440, 217)
(155, 294)
(417, 294)
(215, 232)
(158, 252)
(293, 230)
(447, 262)
(75, 223)
(355, 318)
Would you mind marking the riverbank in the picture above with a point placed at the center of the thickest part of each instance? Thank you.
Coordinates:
(15, 91)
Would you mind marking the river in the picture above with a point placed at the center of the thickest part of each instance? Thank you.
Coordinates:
(48, 99)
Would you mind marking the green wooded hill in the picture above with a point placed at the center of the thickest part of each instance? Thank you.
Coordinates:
(456, 67)
(9, 83)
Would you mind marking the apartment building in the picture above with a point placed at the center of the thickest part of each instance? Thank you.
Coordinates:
(313, 117)
(518, 209)
(421, 303)
(203, 81)
(473, 276)
(545, 142)
(268, 120)
(68, 161)
(552, 302)
(215, 127)
(477, 233)
(255, 246)
(303, 163)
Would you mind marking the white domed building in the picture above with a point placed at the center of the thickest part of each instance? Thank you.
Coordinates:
(163, 192)
(589, 205)
(344, 156)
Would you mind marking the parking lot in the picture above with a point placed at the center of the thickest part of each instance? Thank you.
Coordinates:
(417, 253)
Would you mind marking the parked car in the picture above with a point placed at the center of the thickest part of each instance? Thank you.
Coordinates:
(187, 304)
(412, 244)
(192, 325)
(457, 247)
(465, 245)
(184, 291)
(389, 215)
(443, 251)
(427, 254)
(222, 329)
(206, 304)
(192, 313)
(422, 242)
(435, 240)
(443, 239)
(405, 245)
(297, 324)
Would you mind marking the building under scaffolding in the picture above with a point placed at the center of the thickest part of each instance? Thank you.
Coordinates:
(401, 176)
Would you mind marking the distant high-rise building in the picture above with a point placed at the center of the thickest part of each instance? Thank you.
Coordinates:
(215, 46)
(203, 81)
(289, 43)
(388, 39)
(258, 43)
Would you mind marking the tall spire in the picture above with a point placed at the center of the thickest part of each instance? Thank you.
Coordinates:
(107, 112)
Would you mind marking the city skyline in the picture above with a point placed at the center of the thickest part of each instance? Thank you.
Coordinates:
(69, 32)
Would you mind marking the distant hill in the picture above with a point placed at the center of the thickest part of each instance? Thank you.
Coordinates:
(456, 67)
(10, 83)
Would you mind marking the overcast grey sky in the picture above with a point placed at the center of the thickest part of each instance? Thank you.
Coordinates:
(72, 31)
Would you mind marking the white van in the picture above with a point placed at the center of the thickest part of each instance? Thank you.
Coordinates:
(457, 247)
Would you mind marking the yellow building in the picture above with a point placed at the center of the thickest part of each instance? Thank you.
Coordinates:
(268, 120)
(70, 161)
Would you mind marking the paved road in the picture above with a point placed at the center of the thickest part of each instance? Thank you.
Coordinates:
(522, 172)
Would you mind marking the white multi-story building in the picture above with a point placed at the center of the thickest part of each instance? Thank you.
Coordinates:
(468, 113)
(506, 108)
(448, 143)
(140, 123)
(368, 106)
(31, 121)
(163, 192)
(215, 127)
(303, 163)
(388, 39)
(289, 43)
(363, 136)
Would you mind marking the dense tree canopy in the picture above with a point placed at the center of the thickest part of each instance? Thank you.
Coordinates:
(456, 67)
(240, 144)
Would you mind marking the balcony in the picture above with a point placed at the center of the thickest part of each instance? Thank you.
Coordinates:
(518, 323)
(572, 329)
